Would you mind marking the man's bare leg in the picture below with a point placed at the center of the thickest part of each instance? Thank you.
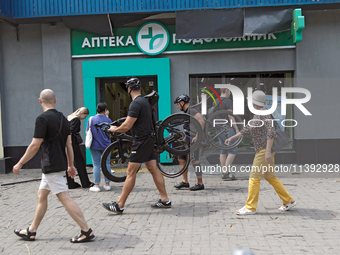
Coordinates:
(185, 173)
(40, 211)
(199, 177)
(73, 210)
(129, 183)
(157, 178)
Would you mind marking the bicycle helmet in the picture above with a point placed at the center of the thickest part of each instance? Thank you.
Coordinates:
(133, 84)
(184, 97)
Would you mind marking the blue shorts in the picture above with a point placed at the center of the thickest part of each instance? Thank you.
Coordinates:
(222, 138)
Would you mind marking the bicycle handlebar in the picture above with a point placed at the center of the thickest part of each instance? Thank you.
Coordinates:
(105, 126)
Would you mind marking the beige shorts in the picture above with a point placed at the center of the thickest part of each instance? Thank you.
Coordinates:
(54, 182)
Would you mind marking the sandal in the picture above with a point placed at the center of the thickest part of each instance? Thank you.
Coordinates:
(228, 177)
(287, 206)
(26, 236)
(88, 237)
(245, 211)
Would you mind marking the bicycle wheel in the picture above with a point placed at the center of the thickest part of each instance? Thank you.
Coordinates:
(119, 154)
(176, 132)
(218, 128)
(172, 170)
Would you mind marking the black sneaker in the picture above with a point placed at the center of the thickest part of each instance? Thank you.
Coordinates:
(182, 185)
(113, 207)
(197, 187)
(162, 204)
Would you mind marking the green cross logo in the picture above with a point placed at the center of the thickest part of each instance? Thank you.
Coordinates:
(297, 26)
(152, 38)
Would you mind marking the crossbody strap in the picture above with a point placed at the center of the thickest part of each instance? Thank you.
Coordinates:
(59, 131)
(90, 123)
(275, 126)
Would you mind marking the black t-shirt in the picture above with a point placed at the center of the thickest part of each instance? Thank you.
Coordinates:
(192, 112)
(75, 125)
(75, 129)
(47, 125)
(141, 109)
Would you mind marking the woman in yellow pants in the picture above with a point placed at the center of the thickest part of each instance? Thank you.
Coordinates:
(263, 164)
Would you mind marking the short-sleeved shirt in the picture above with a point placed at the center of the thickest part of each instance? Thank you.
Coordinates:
(75, 125)
(100, 141)
(257, 131)
(140, 108)
(227, 104)
(47, 126)
(192, 112)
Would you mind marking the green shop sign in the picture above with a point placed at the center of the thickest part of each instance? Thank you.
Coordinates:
(153, 38)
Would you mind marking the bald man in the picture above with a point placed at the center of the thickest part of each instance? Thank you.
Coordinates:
(52, 135)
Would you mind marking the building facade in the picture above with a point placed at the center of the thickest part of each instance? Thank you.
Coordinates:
(85, 68)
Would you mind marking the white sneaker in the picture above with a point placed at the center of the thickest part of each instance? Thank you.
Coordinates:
(107, 187)
(95, 189)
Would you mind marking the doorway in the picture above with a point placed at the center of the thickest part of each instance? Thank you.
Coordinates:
(154, 70)
(113, 92)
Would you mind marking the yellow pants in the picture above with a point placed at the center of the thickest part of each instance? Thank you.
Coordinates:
(262, 169)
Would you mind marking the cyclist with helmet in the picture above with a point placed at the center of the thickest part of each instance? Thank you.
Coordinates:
(139, 120)
(183, 104)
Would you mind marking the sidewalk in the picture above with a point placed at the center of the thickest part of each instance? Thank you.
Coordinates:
(201, 222)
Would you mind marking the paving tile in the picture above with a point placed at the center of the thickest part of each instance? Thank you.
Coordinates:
(201, 222)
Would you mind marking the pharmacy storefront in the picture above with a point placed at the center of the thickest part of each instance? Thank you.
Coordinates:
(174, 66)
(85, 69)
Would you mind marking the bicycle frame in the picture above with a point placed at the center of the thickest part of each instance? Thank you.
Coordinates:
(172, 130)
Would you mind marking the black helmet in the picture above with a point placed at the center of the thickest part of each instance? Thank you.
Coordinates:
(133, 84)
(184, 97)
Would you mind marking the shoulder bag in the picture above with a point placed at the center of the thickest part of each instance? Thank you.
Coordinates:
(78, 138)
(281, 139)
(88, 139)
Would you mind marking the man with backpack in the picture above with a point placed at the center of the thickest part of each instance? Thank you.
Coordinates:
(139, 120)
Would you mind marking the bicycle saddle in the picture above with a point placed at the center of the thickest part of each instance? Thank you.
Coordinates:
(152, 97)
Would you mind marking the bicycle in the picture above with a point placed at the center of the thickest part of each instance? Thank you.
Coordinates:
(221, 125)
(172, 135)
(218, 127)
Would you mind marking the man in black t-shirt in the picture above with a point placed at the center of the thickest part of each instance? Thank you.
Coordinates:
(52, 135)
(139, 120)
(183, 104)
